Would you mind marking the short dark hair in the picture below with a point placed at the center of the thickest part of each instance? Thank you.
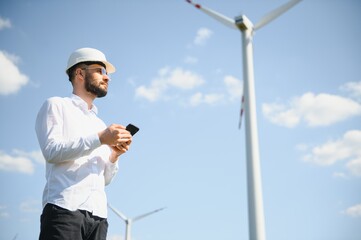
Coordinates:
(71, 71)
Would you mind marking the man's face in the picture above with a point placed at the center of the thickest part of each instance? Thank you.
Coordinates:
(96, 80)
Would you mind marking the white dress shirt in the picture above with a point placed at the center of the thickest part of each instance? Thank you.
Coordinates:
(77, 165)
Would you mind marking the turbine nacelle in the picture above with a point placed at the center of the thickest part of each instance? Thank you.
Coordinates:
(243, 23)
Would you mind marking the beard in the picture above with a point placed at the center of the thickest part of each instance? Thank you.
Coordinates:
(91, 87)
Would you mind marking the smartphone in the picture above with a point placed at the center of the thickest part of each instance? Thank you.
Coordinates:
(132, 129)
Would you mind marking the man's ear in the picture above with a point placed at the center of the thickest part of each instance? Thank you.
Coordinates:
(79, 73)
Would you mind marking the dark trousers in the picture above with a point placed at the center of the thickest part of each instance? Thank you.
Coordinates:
(61, 224)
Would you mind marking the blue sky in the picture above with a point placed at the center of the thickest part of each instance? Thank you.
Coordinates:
(179, 78)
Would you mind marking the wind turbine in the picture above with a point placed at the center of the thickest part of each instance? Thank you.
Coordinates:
(129, 221)
(254, 185)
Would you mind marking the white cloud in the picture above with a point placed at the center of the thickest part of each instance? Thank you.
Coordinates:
(234, 87)
(191, 60)
(4, 23)
(200, 98)
(315, 110)
(182, 79)
(196, 99)
(278, 114)
(11, 79)
(167, 78)
(346, 148)
(151, 93)
(35, 155)
(354, 88)
(30, 206)
(203, 34)
(354, 166)
(3, 212)
(19, 161)
(339, 175)
(15, 164)
(354, 211)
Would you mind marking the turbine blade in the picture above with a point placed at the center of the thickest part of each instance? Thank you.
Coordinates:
(275, 13)
(147, 214)
(117, 212)
(241, 112)
(219, 17)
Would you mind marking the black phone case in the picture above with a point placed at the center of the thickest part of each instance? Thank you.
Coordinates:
(132, 129)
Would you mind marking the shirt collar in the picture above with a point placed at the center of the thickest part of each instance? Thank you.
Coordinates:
(78, 101)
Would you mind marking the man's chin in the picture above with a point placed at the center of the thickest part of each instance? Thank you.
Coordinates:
(98, 93)
(101, 94)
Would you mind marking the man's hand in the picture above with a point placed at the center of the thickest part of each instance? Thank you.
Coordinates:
(117, 138)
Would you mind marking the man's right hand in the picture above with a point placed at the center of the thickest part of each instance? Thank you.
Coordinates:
(115, 135)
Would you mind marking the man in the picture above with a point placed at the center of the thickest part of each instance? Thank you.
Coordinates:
(81, 152)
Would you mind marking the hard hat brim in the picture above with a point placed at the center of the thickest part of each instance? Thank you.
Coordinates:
(89, 55)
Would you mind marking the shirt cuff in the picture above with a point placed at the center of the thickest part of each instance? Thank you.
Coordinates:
(112, 167)
(111, 170)
(93, 141)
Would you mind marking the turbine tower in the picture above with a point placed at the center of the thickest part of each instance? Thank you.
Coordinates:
(130, 221)
(254, 186)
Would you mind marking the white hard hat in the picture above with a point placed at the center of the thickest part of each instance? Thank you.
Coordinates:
(89, 55)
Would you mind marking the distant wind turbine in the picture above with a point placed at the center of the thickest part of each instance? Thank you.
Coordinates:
(254, 185)
(129, 221)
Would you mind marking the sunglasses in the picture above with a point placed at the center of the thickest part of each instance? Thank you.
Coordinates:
(100, 70)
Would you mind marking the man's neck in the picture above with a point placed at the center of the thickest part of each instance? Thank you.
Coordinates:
(86, 96)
